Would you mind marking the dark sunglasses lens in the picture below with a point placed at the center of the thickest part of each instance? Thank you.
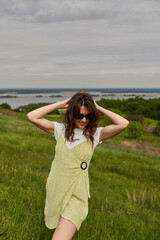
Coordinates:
(81, 116)
(87, 116)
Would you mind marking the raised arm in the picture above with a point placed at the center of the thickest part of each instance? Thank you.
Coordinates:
(36, 116)
(112, 130)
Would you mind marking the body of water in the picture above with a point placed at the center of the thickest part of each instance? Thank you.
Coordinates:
(17, 97)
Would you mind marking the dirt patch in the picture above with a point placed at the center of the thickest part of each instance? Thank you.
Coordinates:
(150, 130)
(135, 146)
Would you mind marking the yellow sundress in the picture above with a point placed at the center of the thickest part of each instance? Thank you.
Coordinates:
(67, 186)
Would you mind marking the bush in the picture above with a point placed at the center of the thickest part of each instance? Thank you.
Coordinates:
(135, 130)
(32, 106)
(17, 110)
(5, 105)
(149, 108)
(135, 115)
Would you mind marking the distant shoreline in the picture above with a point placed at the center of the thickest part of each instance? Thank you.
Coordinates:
(59, 90)
(103, 95)
(19, 97)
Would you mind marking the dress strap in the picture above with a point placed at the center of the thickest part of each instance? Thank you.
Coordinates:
(62, 131)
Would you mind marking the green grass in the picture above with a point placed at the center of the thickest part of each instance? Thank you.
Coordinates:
(124, 186)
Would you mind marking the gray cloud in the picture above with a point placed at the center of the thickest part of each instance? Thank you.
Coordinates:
(52, 11)
(72, 42)
(70, 10)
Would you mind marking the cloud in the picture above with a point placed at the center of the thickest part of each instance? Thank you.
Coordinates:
(43, 40)
(52, 11)
(70, 10)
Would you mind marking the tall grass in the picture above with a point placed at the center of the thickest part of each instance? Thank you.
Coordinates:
(124, 187)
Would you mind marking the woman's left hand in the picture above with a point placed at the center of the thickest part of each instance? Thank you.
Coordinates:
(96, 105)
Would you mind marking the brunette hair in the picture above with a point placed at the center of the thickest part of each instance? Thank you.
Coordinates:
(81, 99)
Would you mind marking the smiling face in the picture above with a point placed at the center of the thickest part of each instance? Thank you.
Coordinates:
(81, 123)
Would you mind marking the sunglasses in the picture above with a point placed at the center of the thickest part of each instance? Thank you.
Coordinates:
(81, 116)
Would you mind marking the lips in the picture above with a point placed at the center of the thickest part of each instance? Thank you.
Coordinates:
(82, 124)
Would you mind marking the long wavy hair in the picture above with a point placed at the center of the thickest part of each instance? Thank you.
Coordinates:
(81, 99)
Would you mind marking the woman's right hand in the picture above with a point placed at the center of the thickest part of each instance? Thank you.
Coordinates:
(64, 104)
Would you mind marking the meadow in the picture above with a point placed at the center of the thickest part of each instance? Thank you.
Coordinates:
(124, 184)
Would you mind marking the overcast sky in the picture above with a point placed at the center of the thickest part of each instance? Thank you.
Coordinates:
(79, 43)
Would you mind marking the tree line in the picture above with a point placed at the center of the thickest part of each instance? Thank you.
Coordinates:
(134, 109)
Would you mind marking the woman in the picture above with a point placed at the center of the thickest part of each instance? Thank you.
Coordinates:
(67, 187)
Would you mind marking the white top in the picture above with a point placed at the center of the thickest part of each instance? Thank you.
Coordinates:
(78, 135)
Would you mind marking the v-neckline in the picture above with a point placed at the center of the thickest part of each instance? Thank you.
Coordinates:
(72, 147)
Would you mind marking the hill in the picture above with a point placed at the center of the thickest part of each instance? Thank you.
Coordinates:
(124, 184)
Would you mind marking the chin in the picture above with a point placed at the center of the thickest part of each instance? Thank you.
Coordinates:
(80, 126)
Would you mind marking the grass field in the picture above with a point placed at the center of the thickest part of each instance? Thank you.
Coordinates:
(124, 184)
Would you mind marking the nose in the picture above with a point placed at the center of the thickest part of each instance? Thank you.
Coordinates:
(84, 119)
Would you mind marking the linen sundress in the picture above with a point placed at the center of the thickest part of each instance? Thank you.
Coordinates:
(67, 186)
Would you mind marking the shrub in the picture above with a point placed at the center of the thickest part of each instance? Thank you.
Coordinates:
(17, 110)
(32, 106)
(135, 115)
(5, 105)
(135, 130)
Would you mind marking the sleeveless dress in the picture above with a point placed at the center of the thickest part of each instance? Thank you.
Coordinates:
(67, 186)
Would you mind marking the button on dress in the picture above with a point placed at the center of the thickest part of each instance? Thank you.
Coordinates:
(67, 186)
